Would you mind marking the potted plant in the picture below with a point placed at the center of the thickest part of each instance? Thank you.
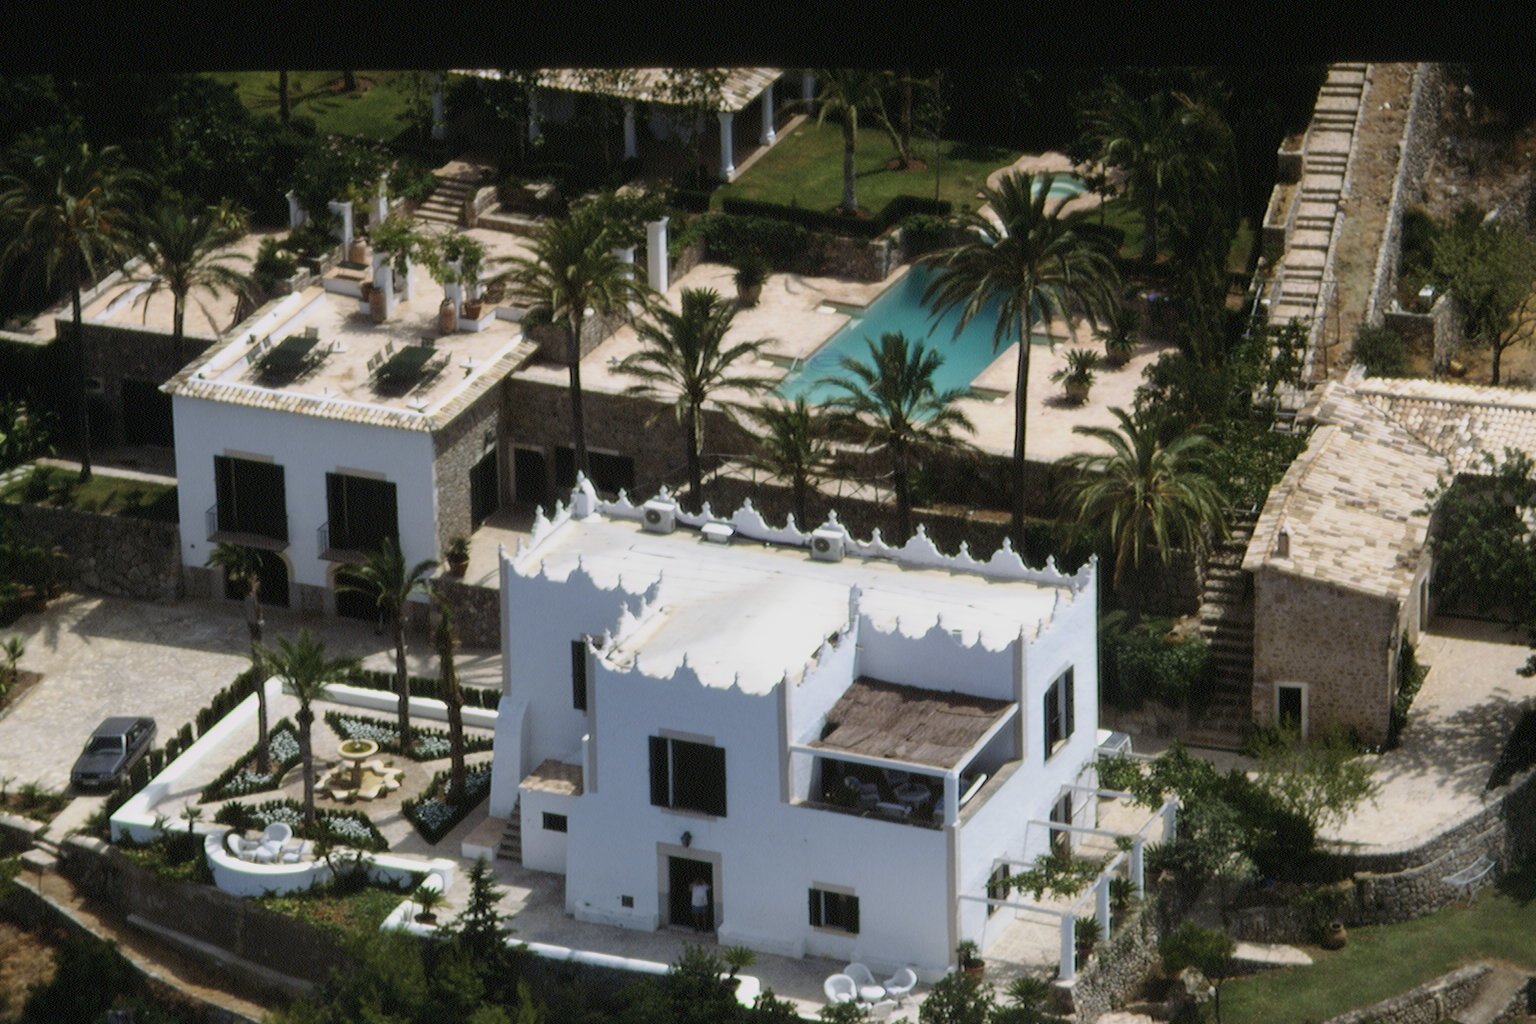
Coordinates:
(427, 899)
(1079, 373)
(737, 958)
(471, 256)
(1122, 896)
(1120, 341)
(751, 272)
(968, 959)
(1334, 936)
(458, 555)
(1086, 934)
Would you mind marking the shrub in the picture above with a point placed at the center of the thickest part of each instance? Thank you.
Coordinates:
(1410, 676)
(922, 233)
(1152, 664)
(728, 238)
(1382, 352)
(350, 828)
(273, 264)
(1519, 752)
(838, 223)
(412, 181)
(310, 240)
(242, 777)
(432, 814)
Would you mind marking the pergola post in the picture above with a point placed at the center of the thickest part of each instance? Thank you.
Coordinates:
(727, 146)
(768, 135)
(951, 797)
(631, 147)
(381, 201)
(343, 209)
(296, 215)
(533, 114)
(1068, 968)
(1170, 822)
(656, 254)
(1101, 905)
(1138, 865)
(808, 90)
(439, 123)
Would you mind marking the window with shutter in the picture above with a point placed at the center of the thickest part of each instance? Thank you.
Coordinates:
(579, 675)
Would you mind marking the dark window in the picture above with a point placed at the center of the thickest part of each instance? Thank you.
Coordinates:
(361, 512)
(1289, 712)
(484, 492)
(835, 910)
(997, 887)
(579, 675)
(1059, 714)
(530, 477)
(688, 776)
(251, 498)
(554, 822)
(610, 473)
(147, 414)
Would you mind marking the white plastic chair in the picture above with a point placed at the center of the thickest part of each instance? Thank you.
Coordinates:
(840, 989)
(882, 1010)
(277, 832)
(860, 974)
(900, 984)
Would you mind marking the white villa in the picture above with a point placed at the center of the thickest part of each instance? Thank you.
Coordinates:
(850, 743)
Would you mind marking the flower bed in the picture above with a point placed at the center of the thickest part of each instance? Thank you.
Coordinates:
(242, 778)
(423, 686)
(432, 814)
(427, 744)
(351, 828)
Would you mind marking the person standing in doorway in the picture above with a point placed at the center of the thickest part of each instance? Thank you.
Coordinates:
(700, 892)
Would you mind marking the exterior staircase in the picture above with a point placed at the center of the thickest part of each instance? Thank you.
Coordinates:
(511, 847)
(1500, 997)
(1226, 622)
(446, 204)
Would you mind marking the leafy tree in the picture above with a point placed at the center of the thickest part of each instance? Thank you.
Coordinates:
(1490, 268)
(1321, 780)
(1144, 497)
(1485, 554)
(1382, 352)
(792, 445)
(845, 92)
(693, 96)
(603, 86)
(684, 357)
(481, 928)
(69, 210)
(305, 671)
(510, 98)
(385, 577)
(573, 269)
(892, 403)
(186, 250)
(1205, 949)
(445, 638)
(23, 434)
(1035, 266)
(89, 977)
(957, 998)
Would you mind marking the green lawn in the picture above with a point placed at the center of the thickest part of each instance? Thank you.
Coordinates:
(111, 495)
(376, 112)
(342, 914)
(1387, 960)
(805, 168)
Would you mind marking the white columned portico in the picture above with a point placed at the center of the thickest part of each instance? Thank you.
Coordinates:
(631, 147)
(727, 145)
(439, 123)
(768, 135)
(656, 254)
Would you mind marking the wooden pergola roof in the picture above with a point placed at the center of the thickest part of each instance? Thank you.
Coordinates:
(648, 85)
(909, 723)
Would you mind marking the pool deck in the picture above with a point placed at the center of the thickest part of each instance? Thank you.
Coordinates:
(792, 312)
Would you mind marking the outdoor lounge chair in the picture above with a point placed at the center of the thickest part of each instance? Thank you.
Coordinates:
(900, 985)
(867, 793)
(840, 988)
(882, 1010)
(278, 832)
(860, 974)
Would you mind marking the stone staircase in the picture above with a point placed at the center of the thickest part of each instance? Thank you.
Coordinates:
(446, 204)
(1500, 997)
(1226, 622)
(511, 846)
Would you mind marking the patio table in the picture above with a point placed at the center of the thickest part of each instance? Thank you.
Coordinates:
(290, 355)
(406, 364)
(871, 993)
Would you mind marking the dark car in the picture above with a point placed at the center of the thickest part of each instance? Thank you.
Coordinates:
(112, 749)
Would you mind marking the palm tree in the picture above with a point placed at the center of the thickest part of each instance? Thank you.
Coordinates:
(186, 249)
(242, 565)
(1143, 496)
(306, 671)
(1164, 146)
(844, 92)
(1036, 266)
(444, 638)
(893, 403)
(383, 576)
(573, 269)
(68, 209)
(792, 446)
(684, 358)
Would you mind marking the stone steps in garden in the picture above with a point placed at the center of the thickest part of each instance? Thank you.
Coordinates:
(511, 847)
(1500, 988)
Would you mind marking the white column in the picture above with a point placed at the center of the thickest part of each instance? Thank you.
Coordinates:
(295, 212)
(1068, 947)
(384, 279)
(656, 254)
(1101, 906)
(951, 797)
(631, 147)
(727, 167)
(381, 200)
(343, 209)
(808, 90)
(1138, 865)
(439, 122)
(453, 291)
(533, 115)
(1170, 823)
(768, 136)
(410, 280)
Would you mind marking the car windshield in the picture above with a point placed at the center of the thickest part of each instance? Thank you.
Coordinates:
(105, 745)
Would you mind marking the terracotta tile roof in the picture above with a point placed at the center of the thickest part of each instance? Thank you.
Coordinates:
(908, 723)
(1460, 421)
(741, 86)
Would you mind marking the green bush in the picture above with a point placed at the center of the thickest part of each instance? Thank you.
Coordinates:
(349, 828)
(1519, 752)
(1382, 352)
(1151, 664)
(922, 233)
(312, 239)
(432, 814)
(427, 744)
(728, 238)
(273, 264)
(411, 180)
(241, 777)
(837, 223)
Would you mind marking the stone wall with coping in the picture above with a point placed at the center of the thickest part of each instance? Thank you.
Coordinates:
(1430, 1003)
(552, 341)
(117, 555)
(1118, 967)
(117, 352)
(455, 450)
(476, 612)
(1414, 150)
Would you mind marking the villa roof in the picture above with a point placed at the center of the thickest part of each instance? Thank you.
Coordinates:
(648, 85)
(908, 723)
(1459, 421)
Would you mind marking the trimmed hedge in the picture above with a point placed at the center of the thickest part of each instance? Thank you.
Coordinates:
(247, 816)
(474, 696)
(896, 210)
(384, 732)
(431, 813)
(1155, 666)
(730, 238)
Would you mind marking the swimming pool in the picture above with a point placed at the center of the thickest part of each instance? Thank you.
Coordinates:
(901, 308)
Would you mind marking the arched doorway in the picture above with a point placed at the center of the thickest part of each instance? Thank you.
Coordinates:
(272, 571)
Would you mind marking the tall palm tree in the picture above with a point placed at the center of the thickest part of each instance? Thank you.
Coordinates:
(891, 402)
(792, 446)
(684, 358)
(845, 92)
(186, 249)
(306, 671)
(1037, 266)
(573, 269)
(1164, 146)
(1144, 497)
(445, 637)
(69, 209)
(384, 576)
(242, 565)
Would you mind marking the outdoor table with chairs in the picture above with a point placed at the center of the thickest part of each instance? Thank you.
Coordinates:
(291, 355)
(856, 984)
(276, 845)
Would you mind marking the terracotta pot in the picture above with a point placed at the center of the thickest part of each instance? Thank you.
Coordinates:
(447, 322)
(1335, 937)
(358, 253)
(458, 568)
(747, 297)
(376, 307)
(1077, 393)
(472, 310)
(426, 919)
(975, 971)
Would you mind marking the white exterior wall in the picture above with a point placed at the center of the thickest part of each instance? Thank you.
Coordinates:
(936, 660)
(543, 849)
(307, 448)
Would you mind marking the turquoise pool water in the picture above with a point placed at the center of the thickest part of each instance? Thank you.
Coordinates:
(901, 308)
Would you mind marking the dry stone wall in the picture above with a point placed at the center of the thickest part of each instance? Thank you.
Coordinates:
(456, 448)
(476, 612)
(1118, 967)
(1430, 1003)
(1416, 148)
(117, 555)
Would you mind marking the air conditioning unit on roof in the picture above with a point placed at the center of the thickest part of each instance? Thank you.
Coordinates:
(658, 516)
(828, 545)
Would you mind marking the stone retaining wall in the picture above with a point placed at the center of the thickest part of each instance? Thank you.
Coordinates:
(117, 555)
(1118, 967)
(1416, 147)
(1430, 1003)
(476, 612)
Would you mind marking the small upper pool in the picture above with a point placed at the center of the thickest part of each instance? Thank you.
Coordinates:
(901, 308)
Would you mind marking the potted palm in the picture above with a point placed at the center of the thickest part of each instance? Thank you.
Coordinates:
(751, 272)
(968, 959)
(1086, 933)
(737, 958)
(1120, 341)
(1078, 375)
(458, 555)
(427, 899)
